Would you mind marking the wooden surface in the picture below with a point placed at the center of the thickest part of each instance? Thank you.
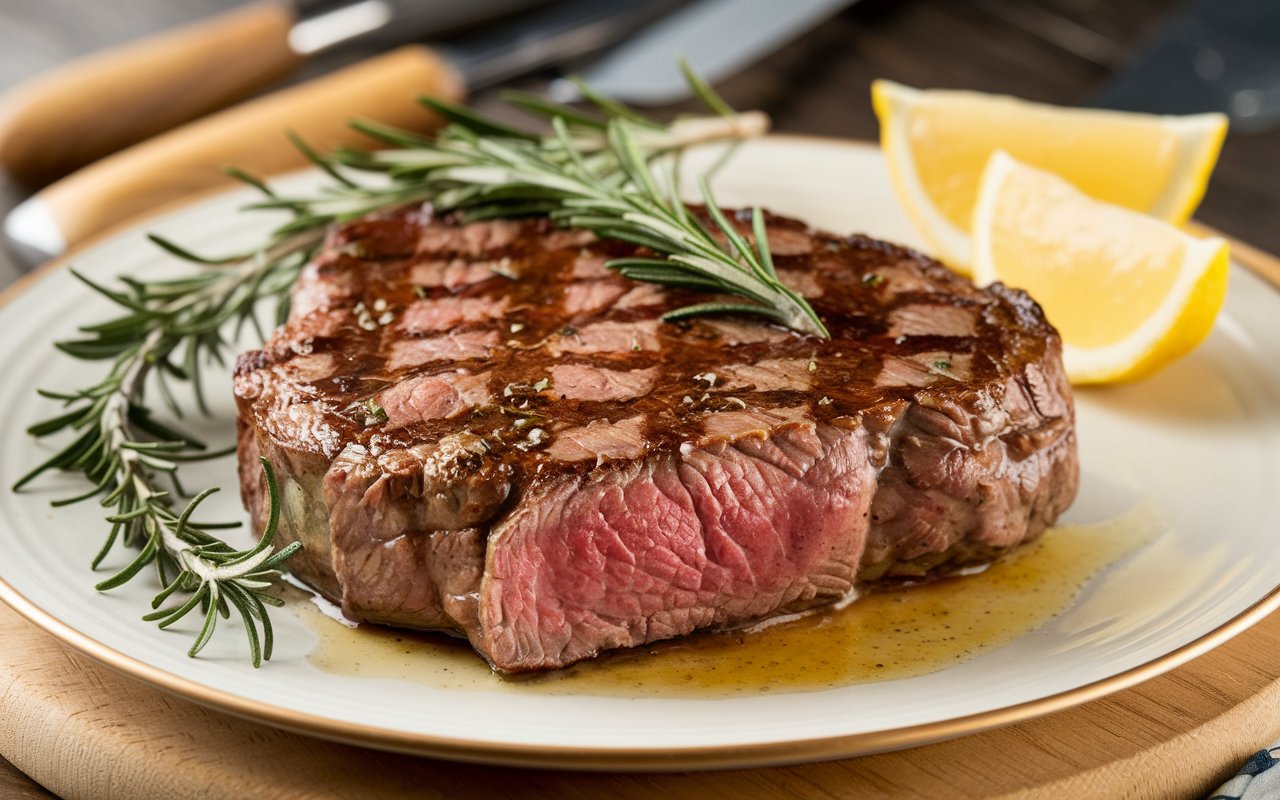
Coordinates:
(86, 732)
(1175, 736)
(15, 785)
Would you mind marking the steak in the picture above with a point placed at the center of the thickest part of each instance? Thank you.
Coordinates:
(480, 429)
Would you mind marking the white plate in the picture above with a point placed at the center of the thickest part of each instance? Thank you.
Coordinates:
(1200, 442)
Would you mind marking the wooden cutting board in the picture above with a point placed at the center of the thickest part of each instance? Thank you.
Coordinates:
(85, 731)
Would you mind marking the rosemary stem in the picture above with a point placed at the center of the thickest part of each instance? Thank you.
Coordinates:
(130, 389)
(115, 418)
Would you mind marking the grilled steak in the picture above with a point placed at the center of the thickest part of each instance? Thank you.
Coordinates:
(479, 429)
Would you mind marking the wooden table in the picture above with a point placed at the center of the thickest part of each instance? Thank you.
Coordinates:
(1059, 51)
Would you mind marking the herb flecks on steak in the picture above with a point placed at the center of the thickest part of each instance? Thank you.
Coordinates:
(479, 429)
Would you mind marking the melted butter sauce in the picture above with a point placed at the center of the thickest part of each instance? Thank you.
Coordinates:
(891, 633)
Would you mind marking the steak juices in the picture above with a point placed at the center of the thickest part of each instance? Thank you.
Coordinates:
(481, 430)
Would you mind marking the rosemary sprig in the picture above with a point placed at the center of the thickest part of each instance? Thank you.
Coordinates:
(165, 330)
(599, 174)
(607, 186)
(610, 170)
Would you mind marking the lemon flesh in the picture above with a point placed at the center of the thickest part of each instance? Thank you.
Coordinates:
(1127, 292)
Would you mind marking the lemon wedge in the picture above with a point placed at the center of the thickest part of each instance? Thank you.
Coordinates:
(937, 142)
(1128, 293)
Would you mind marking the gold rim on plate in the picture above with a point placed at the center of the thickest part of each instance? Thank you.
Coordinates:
(604, 758)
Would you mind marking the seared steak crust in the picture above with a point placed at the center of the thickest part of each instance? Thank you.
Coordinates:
(481, 430)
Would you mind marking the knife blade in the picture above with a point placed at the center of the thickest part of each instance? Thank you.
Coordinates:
(188, 159)
(716, 37)
(556, 35)
(101, 103)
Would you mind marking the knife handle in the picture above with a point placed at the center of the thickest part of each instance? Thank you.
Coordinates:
(102, 103)
(251, 136)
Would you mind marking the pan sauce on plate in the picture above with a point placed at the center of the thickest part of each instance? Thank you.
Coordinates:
(895, 633)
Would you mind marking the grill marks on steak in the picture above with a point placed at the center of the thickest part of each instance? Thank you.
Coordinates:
(559, 473)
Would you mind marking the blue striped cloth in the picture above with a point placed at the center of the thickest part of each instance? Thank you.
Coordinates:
(1258, 779)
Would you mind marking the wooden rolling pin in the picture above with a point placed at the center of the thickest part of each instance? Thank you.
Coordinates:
(252, 136)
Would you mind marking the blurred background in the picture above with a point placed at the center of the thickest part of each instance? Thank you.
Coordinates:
(813, 78)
